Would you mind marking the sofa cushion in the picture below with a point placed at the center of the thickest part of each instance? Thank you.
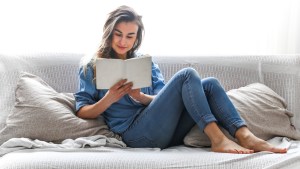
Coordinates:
(56, 69)
(264, 111)
(42, 113)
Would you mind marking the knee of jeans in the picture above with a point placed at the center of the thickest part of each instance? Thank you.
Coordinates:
(189, 71)
(211, 80)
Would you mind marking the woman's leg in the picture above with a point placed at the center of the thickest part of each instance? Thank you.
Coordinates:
(158, 124)
(229, 118)
(185, 124)
(221, 106)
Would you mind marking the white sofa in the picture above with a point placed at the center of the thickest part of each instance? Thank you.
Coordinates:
(281, 73)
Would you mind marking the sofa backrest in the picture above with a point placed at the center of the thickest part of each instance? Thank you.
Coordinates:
(59, 70)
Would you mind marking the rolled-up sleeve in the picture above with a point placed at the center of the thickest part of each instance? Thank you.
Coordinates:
(87, 92)
(157, 79)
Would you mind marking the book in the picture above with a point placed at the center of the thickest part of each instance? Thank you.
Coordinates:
(136, 70)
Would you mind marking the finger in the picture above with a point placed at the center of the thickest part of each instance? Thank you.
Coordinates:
(136, 90)
(129, 84)
(119, 84)
(122, 93)
(125, 89)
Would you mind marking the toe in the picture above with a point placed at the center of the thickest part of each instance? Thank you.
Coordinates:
(278, 150)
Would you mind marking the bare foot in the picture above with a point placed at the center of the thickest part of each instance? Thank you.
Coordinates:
(220, 143)
(250, 141)
(228, 146)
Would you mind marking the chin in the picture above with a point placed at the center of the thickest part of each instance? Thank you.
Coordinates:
(122, 52)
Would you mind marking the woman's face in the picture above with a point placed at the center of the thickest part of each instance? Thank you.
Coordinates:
(124, 36)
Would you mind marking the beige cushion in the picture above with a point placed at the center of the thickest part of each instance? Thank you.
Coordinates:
(42, 113)
(264, 111)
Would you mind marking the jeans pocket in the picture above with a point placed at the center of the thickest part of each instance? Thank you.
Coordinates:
(141, 142)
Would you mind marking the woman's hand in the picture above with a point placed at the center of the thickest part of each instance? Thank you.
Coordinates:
(139, 96)
(135, 94)
(117, 91)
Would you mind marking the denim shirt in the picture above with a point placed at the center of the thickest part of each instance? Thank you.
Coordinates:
(120, 114)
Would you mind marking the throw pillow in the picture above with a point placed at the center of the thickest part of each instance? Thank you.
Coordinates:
(264, 111)
(42, 113)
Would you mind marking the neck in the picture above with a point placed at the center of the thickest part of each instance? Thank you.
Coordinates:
(120, 56)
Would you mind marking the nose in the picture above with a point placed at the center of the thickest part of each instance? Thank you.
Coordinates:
(122, 41)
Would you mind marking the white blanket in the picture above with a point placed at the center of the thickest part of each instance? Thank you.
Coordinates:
(48, 155)
(16, 144)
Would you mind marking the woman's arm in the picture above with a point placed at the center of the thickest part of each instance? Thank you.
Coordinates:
(115, 93)
(94, 110)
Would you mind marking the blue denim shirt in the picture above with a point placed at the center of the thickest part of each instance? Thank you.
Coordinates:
(120, 114)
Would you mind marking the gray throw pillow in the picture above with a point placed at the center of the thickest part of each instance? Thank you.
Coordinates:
(264, 111)
(42, 113)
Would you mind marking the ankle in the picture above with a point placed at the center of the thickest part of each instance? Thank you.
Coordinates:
(243, 133)
(214, 133)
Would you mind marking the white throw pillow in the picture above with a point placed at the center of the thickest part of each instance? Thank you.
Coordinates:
(42, 113)
(264, 111)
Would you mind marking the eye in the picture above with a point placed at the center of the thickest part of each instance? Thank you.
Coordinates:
(129, 37)
(118, 34)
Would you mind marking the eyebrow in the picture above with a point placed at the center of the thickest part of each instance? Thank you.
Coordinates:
(131, 33)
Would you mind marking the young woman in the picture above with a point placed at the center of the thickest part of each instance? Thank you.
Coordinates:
(160, 115)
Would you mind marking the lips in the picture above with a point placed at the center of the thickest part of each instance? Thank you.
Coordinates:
(121, 47)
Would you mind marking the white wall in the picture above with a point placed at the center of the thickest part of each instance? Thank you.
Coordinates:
(173, 27)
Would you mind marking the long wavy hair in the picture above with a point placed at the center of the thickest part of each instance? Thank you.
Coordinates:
(121, 14)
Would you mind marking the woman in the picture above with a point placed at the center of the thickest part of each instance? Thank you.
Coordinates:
(160, 115)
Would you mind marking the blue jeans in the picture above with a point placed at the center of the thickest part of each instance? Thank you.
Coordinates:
(186, 100)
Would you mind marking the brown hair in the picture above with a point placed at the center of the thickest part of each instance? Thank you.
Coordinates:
(121, 14)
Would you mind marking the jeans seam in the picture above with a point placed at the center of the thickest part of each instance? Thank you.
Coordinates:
(205, 120)
(145, 138)
(230, 127)
(202, 118)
